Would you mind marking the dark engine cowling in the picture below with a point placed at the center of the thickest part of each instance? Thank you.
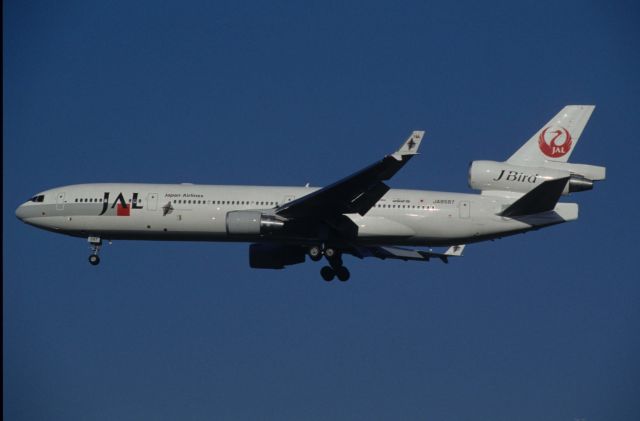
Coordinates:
(275, 256)
(251, 223)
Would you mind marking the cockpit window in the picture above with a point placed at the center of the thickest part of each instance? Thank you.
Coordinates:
(37, 199)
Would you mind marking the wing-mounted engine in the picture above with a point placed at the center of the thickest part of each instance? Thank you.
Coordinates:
(275, 256)
(252, 223)
(504, 177)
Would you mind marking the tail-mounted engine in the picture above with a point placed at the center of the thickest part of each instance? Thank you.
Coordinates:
(252, 223)
(502, 176)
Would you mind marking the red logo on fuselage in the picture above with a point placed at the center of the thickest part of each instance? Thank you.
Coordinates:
(555, 143)
(123, 210)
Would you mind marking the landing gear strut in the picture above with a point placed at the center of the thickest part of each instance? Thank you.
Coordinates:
(94, 244)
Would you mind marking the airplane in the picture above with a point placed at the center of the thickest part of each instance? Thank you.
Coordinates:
(359, 215)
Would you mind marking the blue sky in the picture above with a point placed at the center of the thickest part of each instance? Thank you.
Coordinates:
(539, 326)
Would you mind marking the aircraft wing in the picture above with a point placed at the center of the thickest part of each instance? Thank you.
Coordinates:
(356, 193)
(386, 252)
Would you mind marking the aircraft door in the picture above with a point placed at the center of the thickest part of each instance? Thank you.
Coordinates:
(152, 201)
(60, 201)
(465, 209)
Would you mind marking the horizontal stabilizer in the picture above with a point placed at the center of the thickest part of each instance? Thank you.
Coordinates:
(541, 199)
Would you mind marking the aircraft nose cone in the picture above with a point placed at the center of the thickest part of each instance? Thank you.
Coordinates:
(21, 212)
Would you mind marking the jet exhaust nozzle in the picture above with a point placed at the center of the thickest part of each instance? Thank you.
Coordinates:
(579, 183)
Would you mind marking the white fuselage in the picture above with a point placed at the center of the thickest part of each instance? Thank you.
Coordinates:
(198, 212)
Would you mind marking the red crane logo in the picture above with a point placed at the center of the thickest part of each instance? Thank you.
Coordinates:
(556, 143)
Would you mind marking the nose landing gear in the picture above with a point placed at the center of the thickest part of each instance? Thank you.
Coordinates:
(94, 244)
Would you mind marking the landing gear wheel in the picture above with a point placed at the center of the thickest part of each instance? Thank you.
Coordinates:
(315, 253)
(94, 244)
(327, 273)
(329, 252)
(343, 274)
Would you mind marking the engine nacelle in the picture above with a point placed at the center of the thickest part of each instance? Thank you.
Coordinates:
(251, 223)
(275, 256)
(501, 176)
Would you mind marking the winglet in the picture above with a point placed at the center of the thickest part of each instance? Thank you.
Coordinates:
(410, 146)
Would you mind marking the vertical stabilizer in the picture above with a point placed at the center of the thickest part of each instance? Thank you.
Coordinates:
(556, 140)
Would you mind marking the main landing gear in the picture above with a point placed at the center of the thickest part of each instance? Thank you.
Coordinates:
(94, 244)
(329, 272)
(335, 267)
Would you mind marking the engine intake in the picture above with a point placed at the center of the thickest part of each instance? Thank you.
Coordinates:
(251, 223)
